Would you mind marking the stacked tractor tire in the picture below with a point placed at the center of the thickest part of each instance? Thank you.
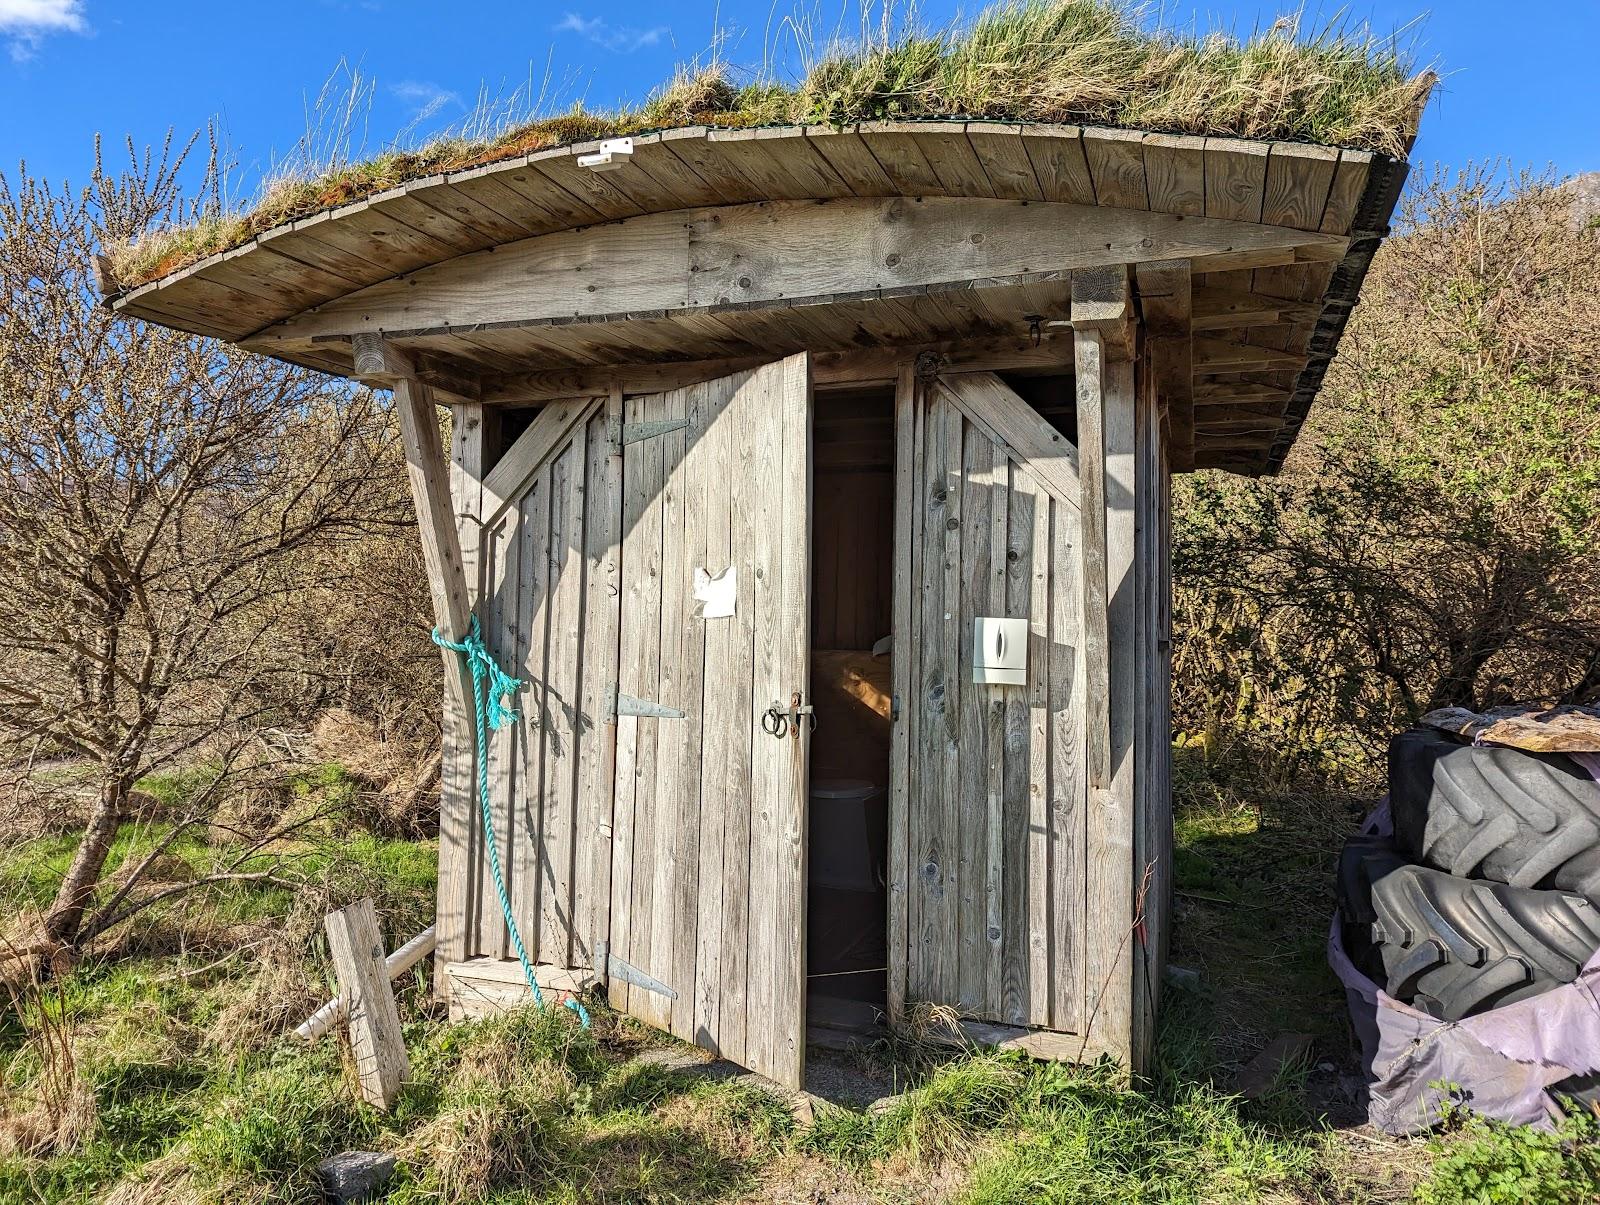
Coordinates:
(1489, 891)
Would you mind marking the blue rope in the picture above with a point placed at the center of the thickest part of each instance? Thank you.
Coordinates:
(491, 685)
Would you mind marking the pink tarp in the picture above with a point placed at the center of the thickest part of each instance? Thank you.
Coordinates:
(1499, 1063)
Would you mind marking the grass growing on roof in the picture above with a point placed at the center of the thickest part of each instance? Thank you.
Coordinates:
(1100, 62)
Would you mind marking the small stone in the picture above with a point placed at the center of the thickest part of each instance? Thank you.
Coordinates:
(355, 1176)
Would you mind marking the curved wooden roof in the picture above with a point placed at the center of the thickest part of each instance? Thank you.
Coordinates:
(1269, 304)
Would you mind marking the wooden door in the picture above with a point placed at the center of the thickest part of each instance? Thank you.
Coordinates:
(708, 837)
(987, 871)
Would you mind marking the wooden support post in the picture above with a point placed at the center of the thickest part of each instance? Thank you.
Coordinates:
(1102, 300)
(458, 812)
(378, 362)
(1105, 406)
(1166, 304)
(375, 1040)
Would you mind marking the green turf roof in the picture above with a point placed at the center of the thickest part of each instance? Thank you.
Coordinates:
(1084, 61)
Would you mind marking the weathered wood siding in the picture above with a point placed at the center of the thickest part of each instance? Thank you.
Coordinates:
(987, 877)
(548, 568)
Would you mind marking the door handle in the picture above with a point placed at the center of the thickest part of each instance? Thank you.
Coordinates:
(781, 721)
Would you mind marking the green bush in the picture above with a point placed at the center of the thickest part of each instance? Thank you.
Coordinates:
(1485, 1163)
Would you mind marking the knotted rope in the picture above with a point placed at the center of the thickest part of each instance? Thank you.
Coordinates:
(491, 685)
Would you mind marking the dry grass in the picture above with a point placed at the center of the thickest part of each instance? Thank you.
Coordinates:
(1097, 61)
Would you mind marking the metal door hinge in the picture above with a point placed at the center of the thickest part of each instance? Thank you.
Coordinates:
(628, 705)
(618, 969)
(633, 433)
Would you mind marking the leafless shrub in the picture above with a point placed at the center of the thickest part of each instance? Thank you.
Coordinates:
(160, 500)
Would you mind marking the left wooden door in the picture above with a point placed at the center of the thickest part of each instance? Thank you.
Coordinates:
(707, 919)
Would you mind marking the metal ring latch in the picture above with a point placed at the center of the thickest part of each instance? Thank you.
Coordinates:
(781, 721)
(775, 722)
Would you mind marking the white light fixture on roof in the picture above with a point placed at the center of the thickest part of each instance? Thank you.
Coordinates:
(613, 153)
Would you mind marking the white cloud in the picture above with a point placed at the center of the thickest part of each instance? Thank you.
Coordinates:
(426, 97)
(624, 39)
(28, 21)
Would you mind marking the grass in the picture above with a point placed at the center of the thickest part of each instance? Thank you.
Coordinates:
(1102, 62)
(185, 1094)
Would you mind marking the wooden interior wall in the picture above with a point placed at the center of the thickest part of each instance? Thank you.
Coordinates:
(852, 529)
(991, 862)
(548, 611)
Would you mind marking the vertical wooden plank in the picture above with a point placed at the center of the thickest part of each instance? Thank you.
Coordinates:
(766, 784)
(904, 655)
(793, 405)
(741, 714)
(1036, 918)
(1297, 184)
(562, 731)
(633, 864)
(1175, 176)
(971, 813)
(671, 796)
(522, 550)
(1236, 174)
(999, 148)
(1070, 927)
(1141, 651)
(1116, 165)
(948, 727)
(1010, 852)
(374, 1021)
(1056, 153)
(701, 405)
(718, 733)
(602, 587)
(996, 700)
(938, 703)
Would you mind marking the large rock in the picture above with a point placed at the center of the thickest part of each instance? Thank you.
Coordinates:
(355, 1176)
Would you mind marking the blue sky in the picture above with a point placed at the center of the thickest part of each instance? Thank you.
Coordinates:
(1521, 81)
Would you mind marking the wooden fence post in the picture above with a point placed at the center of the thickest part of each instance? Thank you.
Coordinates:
(358, 961)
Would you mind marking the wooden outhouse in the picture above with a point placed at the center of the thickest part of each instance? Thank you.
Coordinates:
(758, 436)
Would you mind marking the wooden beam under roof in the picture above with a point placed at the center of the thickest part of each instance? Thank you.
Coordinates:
(775, 254)
(1220, 355)
(829, 368)
(1220, 309)
(1102, 301)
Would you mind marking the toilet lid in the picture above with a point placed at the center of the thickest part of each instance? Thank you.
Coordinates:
(842, 788)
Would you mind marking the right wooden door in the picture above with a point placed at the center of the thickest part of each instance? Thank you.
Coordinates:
(987, 845)
(708, 871)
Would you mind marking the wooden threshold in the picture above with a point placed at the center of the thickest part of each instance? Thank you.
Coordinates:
(487, 987)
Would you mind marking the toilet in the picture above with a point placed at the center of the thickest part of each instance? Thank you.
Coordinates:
(849, 828)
